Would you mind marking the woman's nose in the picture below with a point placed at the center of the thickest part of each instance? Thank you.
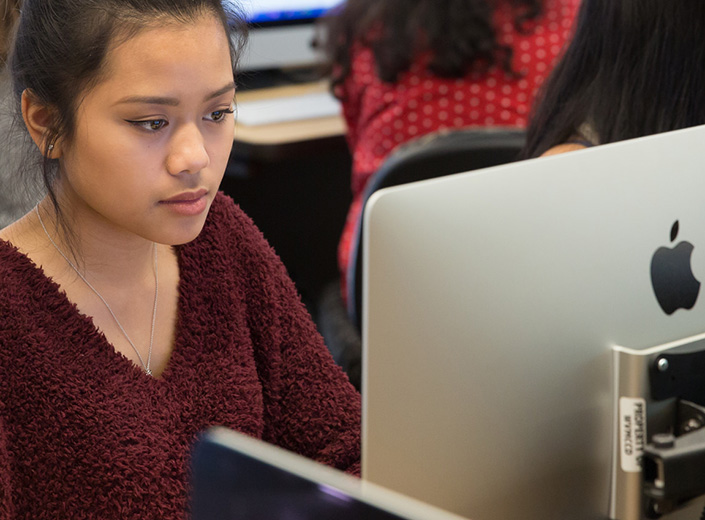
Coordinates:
(188, 152)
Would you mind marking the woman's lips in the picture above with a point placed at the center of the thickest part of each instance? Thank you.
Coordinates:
(188, 203)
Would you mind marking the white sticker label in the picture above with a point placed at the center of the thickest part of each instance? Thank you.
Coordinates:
(632, 432)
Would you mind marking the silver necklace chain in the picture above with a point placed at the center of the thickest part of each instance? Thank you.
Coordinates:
(147, 365)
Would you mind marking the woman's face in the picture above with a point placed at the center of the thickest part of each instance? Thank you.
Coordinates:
(153, 137)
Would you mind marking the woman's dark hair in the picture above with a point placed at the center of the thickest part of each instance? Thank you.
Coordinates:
(458, 34)
(60, 48)
(633, 68)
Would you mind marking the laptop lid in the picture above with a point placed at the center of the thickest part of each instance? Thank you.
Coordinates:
(236, 477)
(492, 300)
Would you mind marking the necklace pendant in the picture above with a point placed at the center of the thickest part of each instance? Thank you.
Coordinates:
(149, 372)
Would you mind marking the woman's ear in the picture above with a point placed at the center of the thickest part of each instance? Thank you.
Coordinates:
(38, 118)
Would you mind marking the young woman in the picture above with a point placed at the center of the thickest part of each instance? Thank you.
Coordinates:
(633, 68)
(407, 68)
(138, 305)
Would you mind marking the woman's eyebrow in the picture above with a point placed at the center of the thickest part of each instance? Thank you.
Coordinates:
(227, 88)
(170, 101)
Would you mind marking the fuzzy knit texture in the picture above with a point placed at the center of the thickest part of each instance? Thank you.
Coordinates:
(86, 434)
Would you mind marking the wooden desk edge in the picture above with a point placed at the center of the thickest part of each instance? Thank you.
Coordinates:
(289, 132)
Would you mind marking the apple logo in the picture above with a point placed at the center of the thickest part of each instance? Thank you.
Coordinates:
(671, 276)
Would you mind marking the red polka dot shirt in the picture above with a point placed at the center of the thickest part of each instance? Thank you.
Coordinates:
(381, 116)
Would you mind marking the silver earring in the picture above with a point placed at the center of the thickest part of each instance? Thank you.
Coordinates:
(50, 147)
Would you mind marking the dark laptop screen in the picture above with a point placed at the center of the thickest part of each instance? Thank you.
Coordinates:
(228, 485)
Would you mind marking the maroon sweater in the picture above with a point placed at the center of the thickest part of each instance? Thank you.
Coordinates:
(84, 433)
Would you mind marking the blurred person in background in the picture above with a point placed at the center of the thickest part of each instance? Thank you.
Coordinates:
(406, 68)
(633, 68)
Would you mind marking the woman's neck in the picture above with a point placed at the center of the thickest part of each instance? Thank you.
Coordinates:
(94, 246)
(98, 251)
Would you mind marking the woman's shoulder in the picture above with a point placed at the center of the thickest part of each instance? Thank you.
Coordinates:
(229, 235)
(563, 148)
(226, 220)
(584, 137)
(23, 286)
(13, 264)
(234, 251)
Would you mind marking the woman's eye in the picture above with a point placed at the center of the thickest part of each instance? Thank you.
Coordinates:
(149, 124)
(219, 115)
(156, 124)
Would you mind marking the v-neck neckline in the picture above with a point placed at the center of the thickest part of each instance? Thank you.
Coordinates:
(40, 276)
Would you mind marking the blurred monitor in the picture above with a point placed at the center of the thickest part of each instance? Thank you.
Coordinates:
(281, 32)
(491, 303)
(235, 477)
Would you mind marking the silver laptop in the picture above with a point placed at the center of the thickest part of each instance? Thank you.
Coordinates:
(236, 477)
(492, 303)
